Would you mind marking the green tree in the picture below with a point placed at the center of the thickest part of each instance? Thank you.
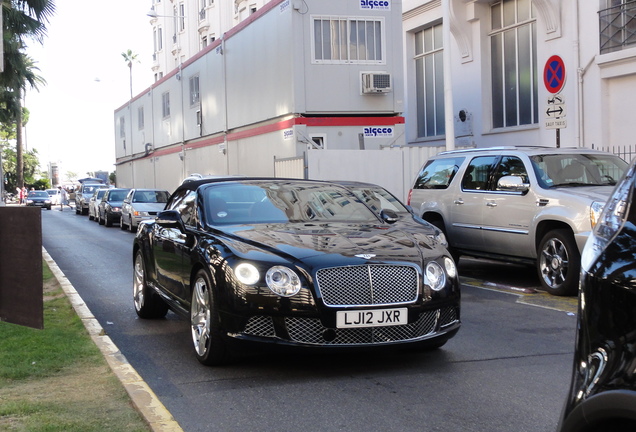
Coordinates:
(22, 19)
(31, 169)
(130, 58)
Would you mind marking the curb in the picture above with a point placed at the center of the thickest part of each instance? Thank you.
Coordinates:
(143, 398)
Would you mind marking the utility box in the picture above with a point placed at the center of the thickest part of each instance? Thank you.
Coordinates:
(21, 289)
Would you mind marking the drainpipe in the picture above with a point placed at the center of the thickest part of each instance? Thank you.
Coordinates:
(448, 87)
(579, 82)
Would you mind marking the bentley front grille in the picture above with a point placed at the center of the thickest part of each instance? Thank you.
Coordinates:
(367, 285)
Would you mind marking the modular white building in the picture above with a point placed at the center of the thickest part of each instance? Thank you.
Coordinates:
(368, 89)
(291, 78)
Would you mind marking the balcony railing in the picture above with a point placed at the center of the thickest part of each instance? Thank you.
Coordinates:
(618, 27)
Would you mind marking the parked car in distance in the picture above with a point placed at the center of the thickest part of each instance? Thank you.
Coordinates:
(533, 205)
(295, 263)
(93, 203)
(109, 208)
(39, 199)
(142, 204)
(54, 195)
(602, 394)
(83, 195)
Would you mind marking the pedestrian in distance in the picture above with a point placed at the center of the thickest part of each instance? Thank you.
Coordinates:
(63, 198)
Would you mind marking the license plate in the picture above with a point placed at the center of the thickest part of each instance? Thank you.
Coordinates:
(371, 318)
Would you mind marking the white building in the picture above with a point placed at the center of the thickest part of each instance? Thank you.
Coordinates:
(292, 76)
(255, 85)
(498, 56)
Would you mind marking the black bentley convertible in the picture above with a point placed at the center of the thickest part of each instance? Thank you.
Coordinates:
(293, 262)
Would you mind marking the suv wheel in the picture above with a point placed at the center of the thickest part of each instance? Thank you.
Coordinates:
(559, 262)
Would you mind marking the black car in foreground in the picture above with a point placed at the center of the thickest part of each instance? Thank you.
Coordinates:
(109, 208)
(39, 199)
(296, 263)
(602, 394)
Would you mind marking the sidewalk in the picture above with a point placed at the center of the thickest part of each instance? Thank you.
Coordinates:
(143, 398)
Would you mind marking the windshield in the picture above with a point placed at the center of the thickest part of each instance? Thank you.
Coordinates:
(38, 194)
(280, 202)
(91, 188)
(119, 195)
(377, 198)
(558, 170)
(150, 196)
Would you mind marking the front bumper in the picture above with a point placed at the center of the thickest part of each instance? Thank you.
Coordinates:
(306, 331)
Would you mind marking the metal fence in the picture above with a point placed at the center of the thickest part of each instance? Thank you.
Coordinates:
(625, 152)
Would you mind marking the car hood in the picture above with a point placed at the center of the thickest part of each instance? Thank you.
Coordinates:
(115, 203)
(148, 207)
(408, 242)
(592, 193)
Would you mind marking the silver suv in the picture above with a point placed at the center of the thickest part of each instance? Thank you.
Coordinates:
(532, 205)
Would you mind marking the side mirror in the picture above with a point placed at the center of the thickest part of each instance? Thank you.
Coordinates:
(170, 219)
(388, 216)
(512, 184)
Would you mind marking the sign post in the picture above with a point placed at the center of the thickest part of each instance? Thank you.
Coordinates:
(554, 80)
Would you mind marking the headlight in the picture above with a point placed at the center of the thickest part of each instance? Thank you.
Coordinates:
(282, 281)
(609, 223)
(246, 273)
(29, 201)
(595, 212)
(434, 276)
(140, 213)
(451, 269)
(116, 209)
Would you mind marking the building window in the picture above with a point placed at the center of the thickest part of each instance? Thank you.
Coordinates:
(348, 40)
(158, 39)
(122, 127)
(181, 17)
(194, 90)
(429, 82)
(140, 118)
(617, 22)
(514, 63)
(165, 104)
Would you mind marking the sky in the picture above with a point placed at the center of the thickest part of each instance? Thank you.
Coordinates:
(72, 116)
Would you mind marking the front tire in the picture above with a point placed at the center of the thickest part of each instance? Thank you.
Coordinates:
(147, 304)
(209, 346)
(559, 262)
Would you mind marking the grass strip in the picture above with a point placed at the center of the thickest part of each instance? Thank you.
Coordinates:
(56, 379)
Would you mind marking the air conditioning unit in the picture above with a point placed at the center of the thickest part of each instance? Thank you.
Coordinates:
(374, 82)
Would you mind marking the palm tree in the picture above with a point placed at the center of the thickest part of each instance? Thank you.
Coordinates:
(21, 19)
(129, 58)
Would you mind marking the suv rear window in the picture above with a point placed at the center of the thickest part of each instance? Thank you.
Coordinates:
(438, 173)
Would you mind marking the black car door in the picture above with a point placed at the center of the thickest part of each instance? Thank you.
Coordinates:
(171, 248)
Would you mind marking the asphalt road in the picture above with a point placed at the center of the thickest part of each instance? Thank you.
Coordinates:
(507, 369)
